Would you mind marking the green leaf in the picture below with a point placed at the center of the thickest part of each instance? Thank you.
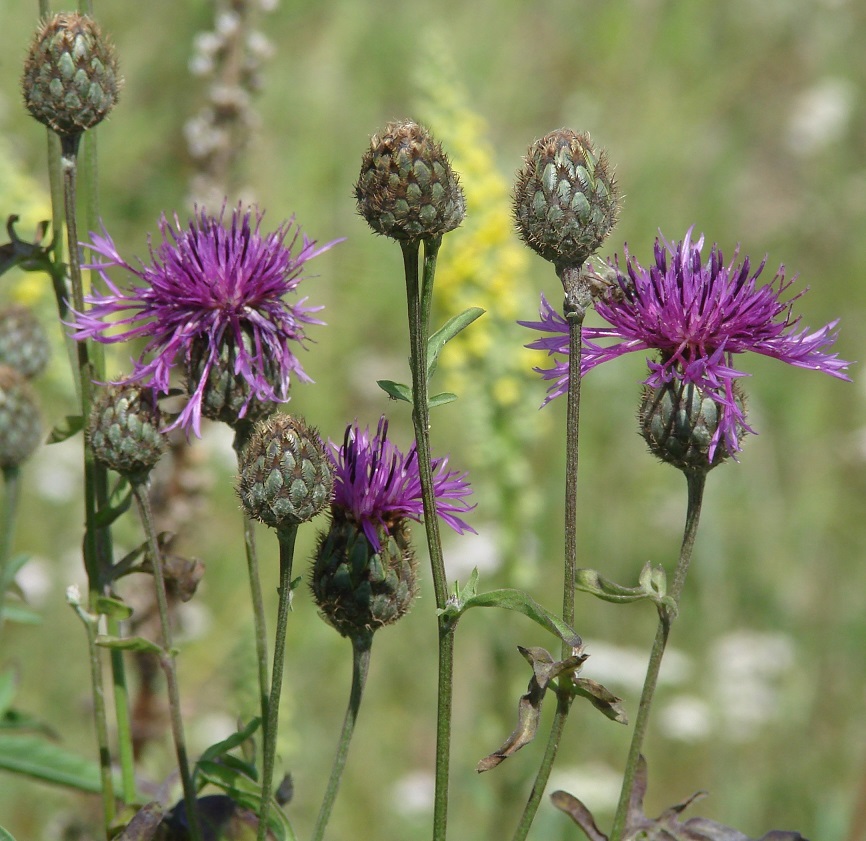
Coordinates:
(510, 599)
(5, 835)
(441, 399)
(74, 425)
(33, 756)
(106, 516)
(233, 741)
(398, 391)
(23, 615)
(8, 689)
(13, 567)
(447, 332)
(652, 585)
(129, 644)
(113, 608)
(233, 782)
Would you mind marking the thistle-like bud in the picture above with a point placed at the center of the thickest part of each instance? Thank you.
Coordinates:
(124, 430)
(226, 393)
(286, 476)
(23, 343)
(70, 78)
(358, 589)
(679, 422)
(407, 189)
(20, 423)
(565, 199)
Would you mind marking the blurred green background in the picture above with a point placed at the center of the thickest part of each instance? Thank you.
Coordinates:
(745, 119)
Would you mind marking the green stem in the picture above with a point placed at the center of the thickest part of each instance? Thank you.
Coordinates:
(11, 494)
(139, 490)
(125, 752)
(260, 626)
(361, 647)
(419, 302)
(695, 481)
(576, 301)
(286, 537)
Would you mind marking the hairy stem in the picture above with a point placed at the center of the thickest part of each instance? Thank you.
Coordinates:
(166, 658)
(576, 301)
(695, 481)
(361, 647)
(286, 536)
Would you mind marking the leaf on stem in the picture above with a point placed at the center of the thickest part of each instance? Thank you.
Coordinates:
(129, 644)
(447, 332)
(508, 599)
(544, 670)
(398, 391)
(73, 425)
(601, 698)
(652, 585)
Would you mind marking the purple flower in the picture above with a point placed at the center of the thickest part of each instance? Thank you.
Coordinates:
(697, 315)
(376, 485)
(208, 286)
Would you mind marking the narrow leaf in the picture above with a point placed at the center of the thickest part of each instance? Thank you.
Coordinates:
(108, 515)
(233, 741)
(398, 391)
(572, 807)
(33, 756)
(517, 600)
(441, 399)
(601, 698)
(129, 644)
(5, 835)
(74, 424)
(13, 567)
(447, 332)
(23, 615)
(113, 608)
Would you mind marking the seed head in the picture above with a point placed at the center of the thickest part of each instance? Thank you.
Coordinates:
(407, 189)
(286, 476)
(70, 78)
(565, 200)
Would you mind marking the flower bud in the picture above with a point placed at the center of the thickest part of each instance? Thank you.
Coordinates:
(20, 423)
(70, 78)
(358, 589)
(286, 477)
(23, 342)
(226, 393)
(565, 199)
(124, 430)
(679, 421)
(407, 189)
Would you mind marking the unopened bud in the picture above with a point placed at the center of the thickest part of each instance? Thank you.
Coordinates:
(23, 342)
(124, 430)
(70, 78)
(20, 423)
(286, 476)
(407, 189)
(565, 199)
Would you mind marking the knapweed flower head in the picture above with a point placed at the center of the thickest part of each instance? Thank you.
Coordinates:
(377, 486)
(211, 292)
(697, 315)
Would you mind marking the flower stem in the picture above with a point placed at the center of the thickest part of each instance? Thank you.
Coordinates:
(419, 302)
(11, 493)
(361, 647)
(286, 537)
(139, 490)
(695, 481)
(576, 301)
(260, 625)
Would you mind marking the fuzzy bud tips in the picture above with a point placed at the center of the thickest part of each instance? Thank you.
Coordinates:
(286, 476)
(20, 424)
(70, 78)
(680, 424)
(357, 588)
(124, 430)
(407, 189)
(565, 199)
